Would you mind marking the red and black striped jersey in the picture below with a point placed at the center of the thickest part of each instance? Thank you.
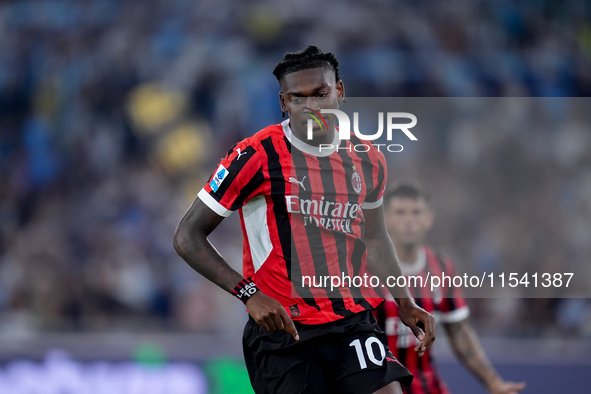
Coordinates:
(446, 304)
(301, 212)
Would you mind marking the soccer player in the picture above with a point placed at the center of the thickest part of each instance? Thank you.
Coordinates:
(305, 211)
(408, 218)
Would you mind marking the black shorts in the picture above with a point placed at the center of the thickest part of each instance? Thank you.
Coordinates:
(347, 356)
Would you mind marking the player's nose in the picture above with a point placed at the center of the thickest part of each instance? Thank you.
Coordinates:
(313, 103)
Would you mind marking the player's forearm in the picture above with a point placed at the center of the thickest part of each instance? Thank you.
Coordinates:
(191, 243)
(383, 262)
(467, 348)
(200, 254)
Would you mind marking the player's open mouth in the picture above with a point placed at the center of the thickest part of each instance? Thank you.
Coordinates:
(316, 129)
(315, 125)
(315, 118)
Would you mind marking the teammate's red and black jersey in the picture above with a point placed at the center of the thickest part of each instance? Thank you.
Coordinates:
(301, 211)
(446, 304)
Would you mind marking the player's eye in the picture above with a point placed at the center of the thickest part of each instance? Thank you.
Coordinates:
(323, 94)
(296, 100)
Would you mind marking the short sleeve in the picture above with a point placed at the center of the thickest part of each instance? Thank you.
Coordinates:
(375, 196)
(452, 307)
(236, 179)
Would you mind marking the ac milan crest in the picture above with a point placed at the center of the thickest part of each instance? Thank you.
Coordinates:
(356, 182)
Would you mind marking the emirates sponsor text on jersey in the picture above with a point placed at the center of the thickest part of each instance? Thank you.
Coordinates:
(330, 215)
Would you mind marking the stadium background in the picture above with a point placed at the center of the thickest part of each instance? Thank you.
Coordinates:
(114, 113)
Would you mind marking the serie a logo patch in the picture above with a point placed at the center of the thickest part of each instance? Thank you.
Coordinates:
(220, 174)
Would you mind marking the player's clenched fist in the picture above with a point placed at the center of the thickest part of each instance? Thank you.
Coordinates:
(270, 314)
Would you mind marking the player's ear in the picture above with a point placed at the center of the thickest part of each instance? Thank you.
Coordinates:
(282, 103)
(429, 218)
(340, 90)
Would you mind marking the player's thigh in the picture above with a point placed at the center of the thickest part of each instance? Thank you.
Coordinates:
(277, 365)
(366, 365)
(392, 388)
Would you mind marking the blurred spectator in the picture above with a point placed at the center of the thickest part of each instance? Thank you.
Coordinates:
(112, 114)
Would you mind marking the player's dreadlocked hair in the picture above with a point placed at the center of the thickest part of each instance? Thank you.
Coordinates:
(412, 190)
(310, 57)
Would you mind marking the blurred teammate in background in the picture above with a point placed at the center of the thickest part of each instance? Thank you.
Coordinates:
(305, 211)
(409, 216)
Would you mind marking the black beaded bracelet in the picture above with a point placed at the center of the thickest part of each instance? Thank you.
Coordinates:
(245, 289)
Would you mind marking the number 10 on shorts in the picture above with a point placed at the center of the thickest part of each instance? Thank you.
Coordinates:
(370, 351)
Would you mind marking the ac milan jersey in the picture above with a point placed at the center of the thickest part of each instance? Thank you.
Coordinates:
(301, 212)
(445, 304)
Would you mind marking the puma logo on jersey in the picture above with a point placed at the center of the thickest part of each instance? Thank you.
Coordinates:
(240, 153)
(301, 183)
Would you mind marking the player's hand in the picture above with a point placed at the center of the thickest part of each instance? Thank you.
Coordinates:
(270, 314)
(419, 321)
(502, 387)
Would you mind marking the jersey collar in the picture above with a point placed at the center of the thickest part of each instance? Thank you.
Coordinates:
(307, 148)
(416, 266)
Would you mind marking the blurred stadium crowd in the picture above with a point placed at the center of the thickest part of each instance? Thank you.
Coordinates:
(114, 113)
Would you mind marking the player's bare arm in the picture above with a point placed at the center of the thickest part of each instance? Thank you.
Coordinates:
(383, 262)
(467, 347)
(191, 243)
